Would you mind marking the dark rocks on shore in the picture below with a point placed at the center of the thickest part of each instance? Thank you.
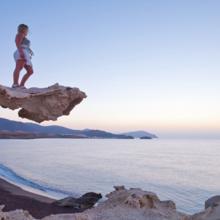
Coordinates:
(86, 201)
(212, 202)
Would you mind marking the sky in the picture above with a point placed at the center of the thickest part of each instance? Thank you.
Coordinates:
(144, 64)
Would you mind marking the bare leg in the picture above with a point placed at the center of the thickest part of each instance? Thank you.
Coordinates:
(30, 71)
(18, 68)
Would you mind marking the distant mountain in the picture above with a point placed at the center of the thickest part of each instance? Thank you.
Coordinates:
(7, 127)
(140, 134)
(99, 133)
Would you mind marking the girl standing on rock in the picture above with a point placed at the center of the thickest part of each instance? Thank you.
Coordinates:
(22, 57)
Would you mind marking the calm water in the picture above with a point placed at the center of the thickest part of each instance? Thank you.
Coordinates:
(186, 171)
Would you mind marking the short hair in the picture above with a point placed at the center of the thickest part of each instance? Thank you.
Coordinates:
(22, 27)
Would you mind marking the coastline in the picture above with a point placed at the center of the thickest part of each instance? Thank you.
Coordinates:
(122, 203)
(29, 189)
(14, 197)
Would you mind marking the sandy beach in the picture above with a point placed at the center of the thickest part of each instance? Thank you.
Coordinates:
(14, 197)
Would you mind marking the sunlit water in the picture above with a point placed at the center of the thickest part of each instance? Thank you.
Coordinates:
(185, 171)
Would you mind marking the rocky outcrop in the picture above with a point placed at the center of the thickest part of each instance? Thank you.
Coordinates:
(129, 204)
(132, 204)
(41, 104)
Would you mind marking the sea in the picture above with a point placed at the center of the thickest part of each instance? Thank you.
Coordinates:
(185, 171)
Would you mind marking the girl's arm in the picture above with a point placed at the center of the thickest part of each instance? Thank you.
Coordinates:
(18, 41)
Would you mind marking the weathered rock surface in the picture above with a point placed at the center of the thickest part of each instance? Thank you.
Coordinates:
(86, 201)
(41, 104)
(123, 204)
(132, 204)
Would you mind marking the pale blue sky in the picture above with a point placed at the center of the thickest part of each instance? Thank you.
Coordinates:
(144, 64)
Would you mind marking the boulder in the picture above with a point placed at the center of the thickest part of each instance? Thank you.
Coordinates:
(117, 188)
(86, 201)
(212, 202)
(41, 104)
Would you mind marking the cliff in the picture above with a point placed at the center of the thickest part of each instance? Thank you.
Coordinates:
(41, 104)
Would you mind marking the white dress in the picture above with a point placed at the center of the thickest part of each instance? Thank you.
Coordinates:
(25, 46)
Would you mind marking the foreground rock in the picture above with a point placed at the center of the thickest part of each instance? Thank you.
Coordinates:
(123, 204)
(132, 204)
(41, 104)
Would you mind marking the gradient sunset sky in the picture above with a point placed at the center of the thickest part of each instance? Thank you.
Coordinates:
(145, 64)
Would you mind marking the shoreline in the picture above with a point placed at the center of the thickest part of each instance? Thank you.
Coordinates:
(14, 197)
(122, 203)
(29, 189)
(17, 190)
